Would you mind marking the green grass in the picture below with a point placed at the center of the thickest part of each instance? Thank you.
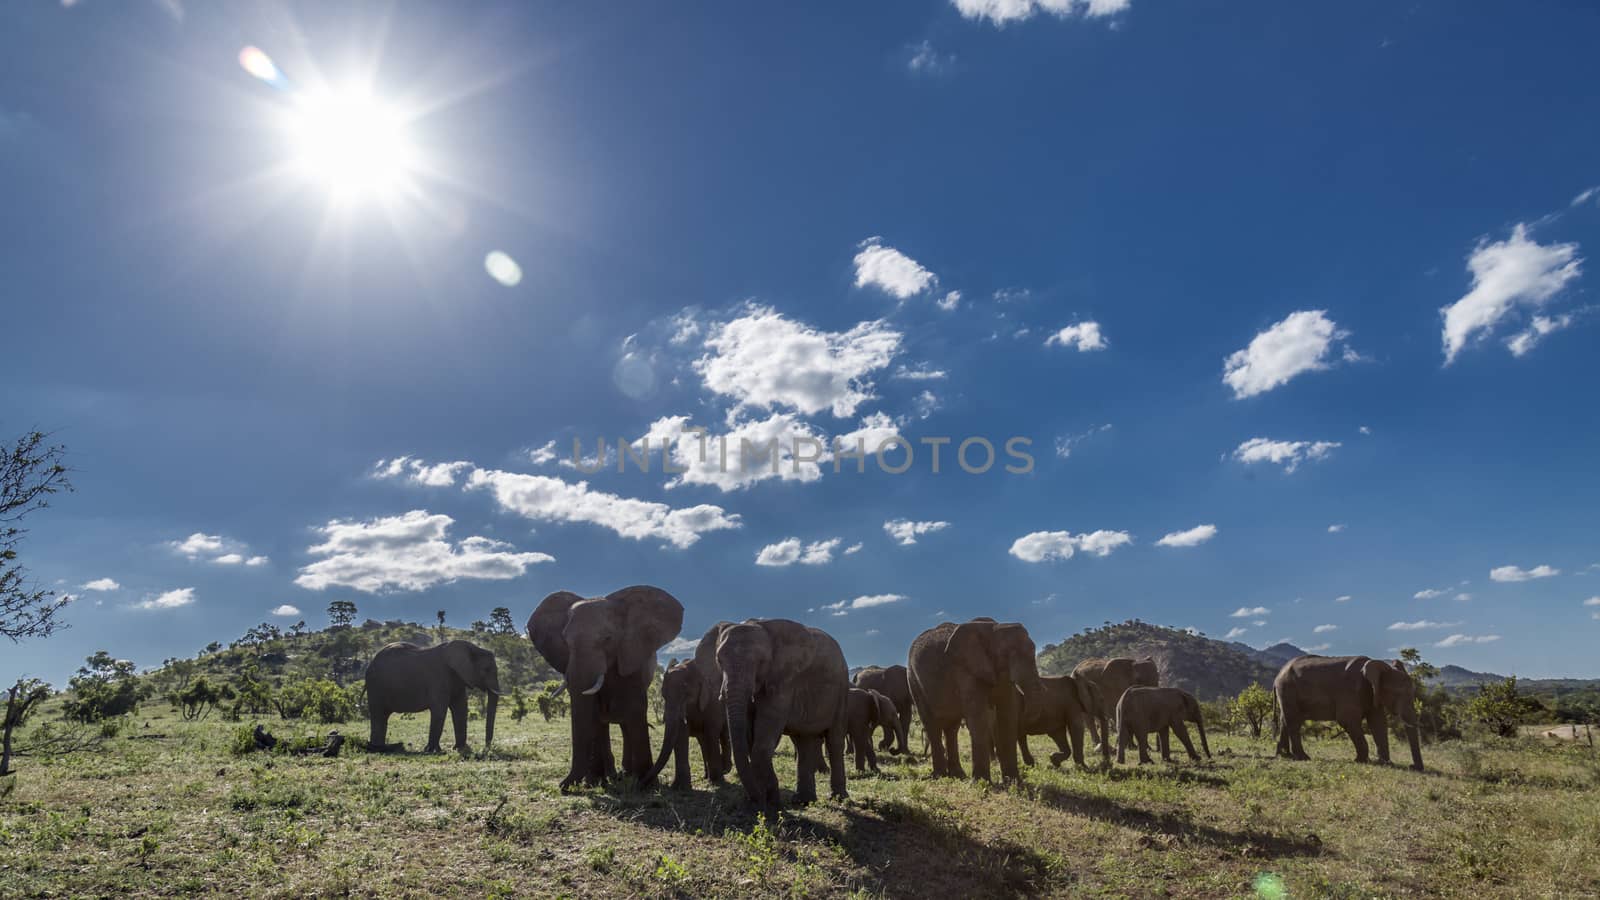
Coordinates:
(168, 809)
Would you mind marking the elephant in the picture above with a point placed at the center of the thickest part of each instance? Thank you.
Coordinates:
(1145, 709)
(404, 678)
(892, 682)
(970, 673)
(869, 710)
(606, 649)
(1347, 690)
(1113, 676)
(778, 678)
(688, 714)
(1064, 707)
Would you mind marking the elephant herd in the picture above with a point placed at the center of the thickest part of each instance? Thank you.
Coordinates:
(750, 684)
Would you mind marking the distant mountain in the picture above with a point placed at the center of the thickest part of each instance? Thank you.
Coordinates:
(1206, 667)
(1274, 656)
(1457, 677)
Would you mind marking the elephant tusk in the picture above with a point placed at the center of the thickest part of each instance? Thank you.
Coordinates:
(597, 682)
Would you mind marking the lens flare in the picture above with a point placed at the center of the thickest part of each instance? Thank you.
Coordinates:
(259, 64)
(502, 268)
(1269, 886)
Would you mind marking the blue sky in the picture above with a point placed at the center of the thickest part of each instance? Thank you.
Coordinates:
(1293, 304)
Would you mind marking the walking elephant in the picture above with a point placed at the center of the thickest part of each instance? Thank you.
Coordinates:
(692, 710)
(606, 648)
(1143, 710)
(1064, 707)
(782, 678)
(1349, 690)
(1113, 676)
(970, 673)
(893, 683)
(405, 678)
(868, 711)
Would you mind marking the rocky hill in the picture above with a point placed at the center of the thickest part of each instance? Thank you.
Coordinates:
(1205, 667)
(1274, 656)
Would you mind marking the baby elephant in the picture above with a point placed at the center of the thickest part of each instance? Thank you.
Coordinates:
(869, 711)
(1145, 709)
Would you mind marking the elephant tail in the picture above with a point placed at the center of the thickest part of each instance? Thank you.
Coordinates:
(1201, 722)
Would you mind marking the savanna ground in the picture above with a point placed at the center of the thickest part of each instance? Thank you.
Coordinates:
(169, 809)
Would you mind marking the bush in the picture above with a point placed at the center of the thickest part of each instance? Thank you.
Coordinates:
(104, 688)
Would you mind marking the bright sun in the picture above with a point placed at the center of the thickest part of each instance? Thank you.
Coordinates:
(353, 143)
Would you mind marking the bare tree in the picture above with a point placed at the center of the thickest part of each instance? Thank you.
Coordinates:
(20, 699)
(30, 471)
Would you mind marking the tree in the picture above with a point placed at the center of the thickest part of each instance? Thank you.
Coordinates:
(341, 614)
(20, 700)
(1502, 707)
(30, 472)
(500, 621)
(297, 629)
(198, 699)
(1253, 706)
(104, 688)
(1438, 714)
(440, 614)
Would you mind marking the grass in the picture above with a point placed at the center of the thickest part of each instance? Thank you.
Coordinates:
(168, 809)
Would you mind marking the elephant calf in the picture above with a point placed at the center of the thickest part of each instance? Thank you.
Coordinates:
(869, 711)
(894, 683)
(406, 678)
(1063, 710)
(692, 711)
(1145, 709)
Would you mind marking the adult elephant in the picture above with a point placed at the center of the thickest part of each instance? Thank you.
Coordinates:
(1143, 710)
(892, 682)
(606, 649)
(692, 710)
(970, 674)
(869, 711)
(1113, 676)
(781, 678)
(1062, 709)
(1349, 690)
(406, 678)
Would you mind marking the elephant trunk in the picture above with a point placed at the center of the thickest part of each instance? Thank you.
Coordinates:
(1201, 721)
(737, 693)
(1414, 736)
(489, 710)
(669, 742)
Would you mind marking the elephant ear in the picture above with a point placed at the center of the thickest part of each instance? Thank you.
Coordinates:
(650, 618)
(968, 645)
(1374, 670)
(705, 661)
(794, 648)
(458, 656)
(545, 628)
(886, 710)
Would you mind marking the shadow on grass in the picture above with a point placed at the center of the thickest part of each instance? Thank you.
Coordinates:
(1247, 842)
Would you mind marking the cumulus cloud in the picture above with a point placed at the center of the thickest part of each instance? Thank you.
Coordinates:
(853, 549)
(1514, 573)
(1507, 275)
(681, 646)
(866, 601)
(1083, 337)
(545, 499)
(919, 372)
(215, 548)
(1430, 593)
(1323, 629)
(543, 455)
(1592, 601)
(286, 611)
(101, 584)
(1003, 12)
(1246, 612)
(950, 301)
(1335, 529)
(1421, 624)
(1233, 633)
(1525, 340)
(1456, 640)
(410, 552)
(1041, 546)
(789, 551)
(889, 270)
(198, 544)
(905, 531)
(168, 600)
(1190, 538)
(1289, 454)
(763, 359)
(1343, 598)
(1301, 343)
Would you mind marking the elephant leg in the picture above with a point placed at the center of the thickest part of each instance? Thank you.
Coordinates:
(458, 720)
(808, 753)
(1164, 743)
(724, 747)
(435, 727)
(1142, 738)
(1352, 727)
(378, 736)
(636, 746)
(1379, 724)
(952, 751)
(1182, 731)
(1124, 734)
(1023, 751)
(605, 766)
(766, 734)
(833, 744)
(980, 728)
(856, 746)
(1065, 748)
(708, 755)
(936, 750)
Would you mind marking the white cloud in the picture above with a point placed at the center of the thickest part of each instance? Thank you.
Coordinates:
(1316, 648)
(418, 472)
(905, 532)
(101, 584)
(1455, 640)
(1245, 612)
(198, 544)
(791, 550)
(1430, 593)
(1343, 598)
(1421, 624)
(928, 61)
(1288, 454)
(1364, 430)
(891, 271)
(543, 455)
(1298, 344)
(1190, 538)
(866, 601)
(169, 600)
(1463, 598)
(1064, 445)
(1259, 623)
(1002, 12)
(720, 460)
(1084, 337)
(1592, 601)
(1323, 629)
(1506, 274)
(853, 549)
(229, 559)
(1335, 529)
(950, 301)
(682, 646)
(1523, 341)
(256, 561)
(545, 499)
(410, 552)
(216, 549)
(922, 372)
(286, 611)
(1040, 546)
(1585, 196)
(1513, 573)
(763, 359)
(1233, 633)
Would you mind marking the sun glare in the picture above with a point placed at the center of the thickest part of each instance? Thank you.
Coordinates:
(353, 143)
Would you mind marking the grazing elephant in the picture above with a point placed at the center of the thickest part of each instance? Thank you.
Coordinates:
(1347, 690)
(893, 683)
(405, 678)
(1062, 710)
(869, 710)
(1113, 676)
(782, 678)
(970, 673)
(606, 647)
(692, 711)
(1145, 709)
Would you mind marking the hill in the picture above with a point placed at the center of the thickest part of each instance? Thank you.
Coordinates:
(1274, 656)
(1205, 667)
